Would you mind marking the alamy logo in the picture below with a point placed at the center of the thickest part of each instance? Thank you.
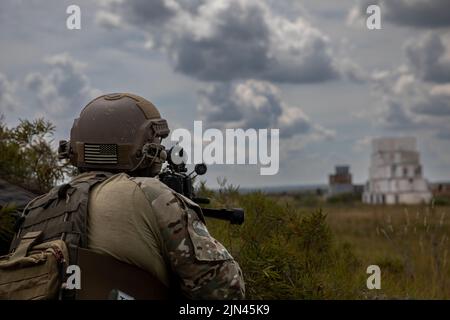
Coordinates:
(374, 280)
(73, 21)
(373, 21)
(237, 146)
(74, 278)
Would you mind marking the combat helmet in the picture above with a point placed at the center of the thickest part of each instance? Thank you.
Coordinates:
(117, 132)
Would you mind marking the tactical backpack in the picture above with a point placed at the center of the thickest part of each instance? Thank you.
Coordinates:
(52, 234)
(50, 231)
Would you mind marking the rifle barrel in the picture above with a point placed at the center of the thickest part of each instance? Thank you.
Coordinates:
(234, 216)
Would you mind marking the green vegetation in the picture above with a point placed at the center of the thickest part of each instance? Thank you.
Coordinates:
(441, 201)
(290, 251)
(345, 198)
(291, 246)
(27, 157)
(286, 252)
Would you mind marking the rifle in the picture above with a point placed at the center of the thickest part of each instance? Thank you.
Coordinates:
(175, 176)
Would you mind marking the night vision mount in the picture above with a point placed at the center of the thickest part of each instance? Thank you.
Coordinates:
(175, 176)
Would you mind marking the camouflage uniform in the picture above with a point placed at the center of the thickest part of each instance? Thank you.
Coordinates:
(172, 232)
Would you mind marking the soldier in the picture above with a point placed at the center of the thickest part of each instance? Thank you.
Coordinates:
(116, 206)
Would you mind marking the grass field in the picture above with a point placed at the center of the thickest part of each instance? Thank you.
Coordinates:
(290, 249)
(295, 248)
(408, 243)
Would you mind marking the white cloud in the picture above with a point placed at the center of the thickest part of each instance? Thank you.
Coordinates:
(108, 20)
(256, 104)
(63, 89)
(363, 144)
(429, 57)
(233, 39)
(8, 99)
(415, 95)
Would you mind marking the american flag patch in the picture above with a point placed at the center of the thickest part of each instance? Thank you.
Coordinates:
(100, 153)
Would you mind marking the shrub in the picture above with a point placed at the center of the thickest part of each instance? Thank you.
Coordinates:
(27, 157)
(441, 201)
(308, 199)
(285, 253)
(344, 198)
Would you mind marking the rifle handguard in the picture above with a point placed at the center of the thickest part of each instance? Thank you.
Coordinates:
(234, 216)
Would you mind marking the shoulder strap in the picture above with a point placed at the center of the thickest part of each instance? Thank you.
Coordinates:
(61, 213)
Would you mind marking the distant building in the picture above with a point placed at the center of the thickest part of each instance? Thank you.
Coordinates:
(340, 182)
(395, 173)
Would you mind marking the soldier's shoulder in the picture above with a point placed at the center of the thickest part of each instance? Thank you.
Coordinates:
(152, 187)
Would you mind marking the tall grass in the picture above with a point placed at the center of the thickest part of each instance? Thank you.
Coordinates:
(289, 251)
(419, 239)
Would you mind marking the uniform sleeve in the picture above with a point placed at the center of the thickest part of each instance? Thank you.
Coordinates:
(204, 267)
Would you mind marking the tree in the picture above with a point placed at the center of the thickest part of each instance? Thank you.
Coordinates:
(27, 157)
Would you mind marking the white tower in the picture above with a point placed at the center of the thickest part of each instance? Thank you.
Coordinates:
(395, 174)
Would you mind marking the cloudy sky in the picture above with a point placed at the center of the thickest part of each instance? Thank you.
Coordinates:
(310, 68)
